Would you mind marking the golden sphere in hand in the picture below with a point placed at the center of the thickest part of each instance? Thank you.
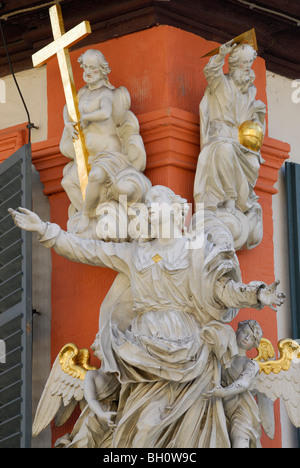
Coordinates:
(251, 135)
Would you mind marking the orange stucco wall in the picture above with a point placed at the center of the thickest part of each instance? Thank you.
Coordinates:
(163, 71)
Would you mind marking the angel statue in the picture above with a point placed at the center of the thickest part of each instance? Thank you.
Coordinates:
(232, 127)
(163, 331)
(246, 379)
(237, 382)
(116, 151)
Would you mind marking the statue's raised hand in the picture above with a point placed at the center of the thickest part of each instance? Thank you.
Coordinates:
(270, 297)
(227, 48)
(27, 220)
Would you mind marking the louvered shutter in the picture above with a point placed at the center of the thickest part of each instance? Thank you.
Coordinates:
(293, 218)
(292, 174)
(15, 304)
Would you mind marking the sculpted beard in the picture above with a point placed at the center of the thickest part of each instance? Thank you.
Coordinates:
(243, 79)
(91, 77)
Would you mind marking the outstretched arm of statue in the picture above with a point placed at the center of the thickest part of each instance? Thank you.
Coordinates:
(28, 221)
(269, 296)
(255, 294)
(72, 247)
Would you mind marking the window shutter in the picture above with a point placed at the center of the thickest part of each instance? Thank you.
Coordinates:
(293, 219)
(15, 304)
(292, 174)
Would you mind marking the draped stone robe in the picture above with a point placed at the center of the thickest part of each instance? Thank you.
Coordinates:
(226, 169)
(163, 336)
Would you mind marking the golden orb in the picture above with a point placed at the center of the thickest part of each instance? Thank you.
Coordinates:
(251, 135)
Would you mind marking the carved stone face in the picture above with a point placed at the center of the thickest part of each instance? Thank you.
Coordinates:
(91, 70)
(246, 338)
(159, 207)
(246, 60)
(241, 61)
(95, 347)
(166, 211)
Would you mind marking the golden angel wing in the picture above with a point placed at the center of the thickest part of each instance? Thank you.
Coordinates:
(281, 378)
(64, 387)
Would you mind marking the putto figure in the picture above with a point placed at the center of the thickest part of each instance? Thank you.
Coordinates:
(249, 387)
(238, 380)
(232, 130)
(117, 155)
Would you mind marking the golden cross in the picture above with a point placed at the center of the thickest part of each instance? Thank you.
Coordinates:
(59, 47)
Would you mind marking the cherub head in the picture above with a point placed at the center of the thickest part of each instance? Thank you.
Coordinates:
(248, 335)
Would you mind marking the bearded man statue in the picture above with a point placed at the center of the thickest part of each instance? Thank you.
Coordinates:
(227, 170)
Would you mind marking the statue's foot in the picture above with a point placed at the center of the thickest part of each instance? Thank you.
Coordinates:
(83, 224)
(230, 206)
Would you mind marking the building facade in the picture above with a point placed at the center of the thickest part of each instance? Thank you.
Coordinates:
(155, 49)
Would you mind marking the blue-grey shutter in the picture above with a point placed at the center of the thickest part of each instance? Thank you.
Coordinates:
(293, 218)
(15, 304)
(292, 175)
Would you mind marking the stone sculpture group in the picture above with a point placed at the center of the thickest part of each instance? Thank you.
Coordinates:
(173, 372)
